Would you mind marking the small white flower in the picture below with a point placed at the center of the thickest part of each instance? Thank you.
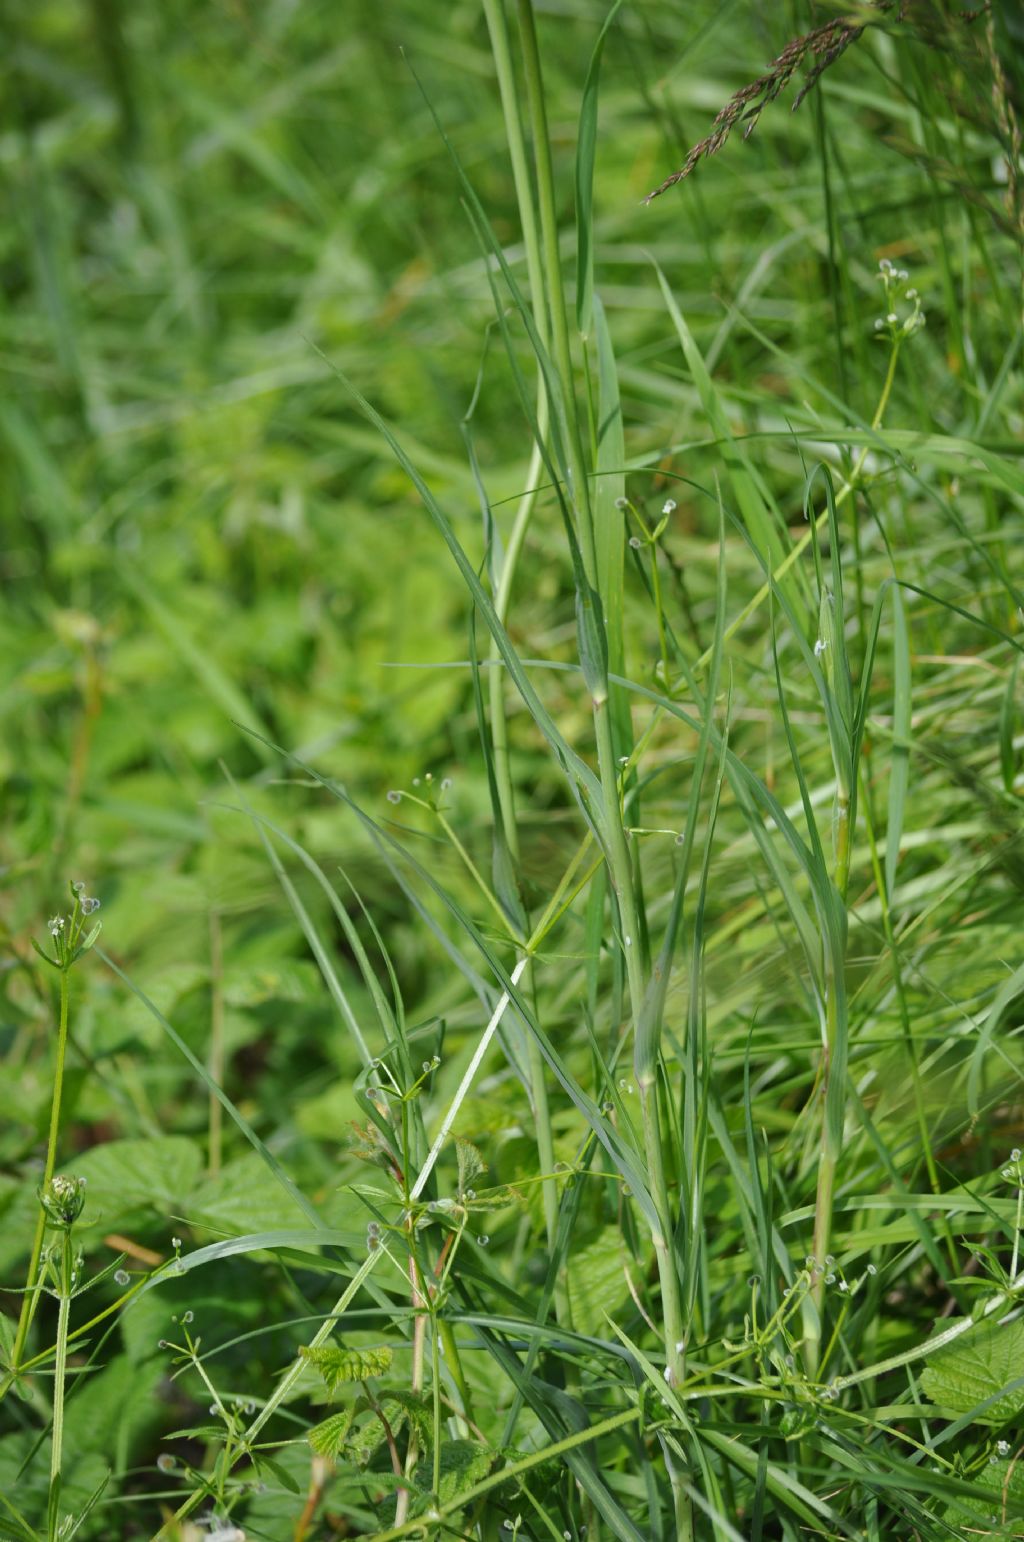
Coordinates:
(819, 647)
(892, 318)
(1003, 1447)
(669, 506)
(55, 925)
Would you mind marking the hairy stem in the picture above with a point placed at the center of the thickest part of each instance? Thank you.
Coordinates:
(59, 1376)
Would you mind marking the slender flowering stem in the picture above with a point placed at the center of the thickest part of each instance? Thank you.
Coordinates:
(31, 1297)
(216, 1061)
(65, 1270)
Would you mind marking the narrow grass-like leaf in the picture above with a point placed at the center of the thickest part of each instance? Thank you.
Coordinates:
(1007, 724)
(1008, 992)
(899, 763)
(586, 150)
(749, 491)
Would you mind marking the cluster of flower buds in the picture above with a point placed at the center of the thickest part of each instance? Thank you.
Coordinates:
(428, 792)
(69, 934)
(651, 534)
(62, 1199)
(903, 314)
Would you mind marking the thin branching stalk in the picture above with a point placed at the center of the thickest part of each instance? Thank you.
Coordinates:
(419, 1331)
(216, 1065)
(65, 1267)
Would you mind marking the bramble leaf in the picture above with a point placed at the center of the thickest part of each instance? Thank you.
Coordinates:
(338, 1365)
(471, 1163)
(986, 1363)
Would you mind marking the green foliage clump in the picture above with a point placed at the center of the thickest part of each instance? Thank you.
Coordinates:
(533, 676)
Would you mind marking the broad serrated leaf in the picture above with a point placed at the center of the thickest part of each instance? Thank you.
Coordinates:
(416, 1409)
(461, 1463)
(986, 1363)
(338, 1365)
(597, 1281)
(124, 1174)
(471, 1163)
(239, 1201)
(328, 1437)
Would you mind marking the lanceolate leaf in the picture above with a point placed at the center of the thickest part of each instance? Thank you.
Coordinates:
(899, 768)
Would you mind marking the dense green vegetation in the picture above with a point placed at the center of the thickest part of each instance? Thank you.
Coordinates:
(532, 677)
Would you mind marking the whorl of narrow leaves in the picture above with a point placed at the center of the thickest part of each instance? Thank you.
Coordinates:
(337, 1365)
